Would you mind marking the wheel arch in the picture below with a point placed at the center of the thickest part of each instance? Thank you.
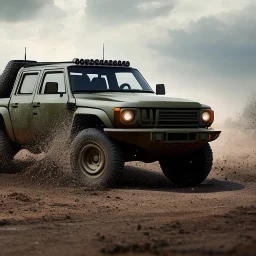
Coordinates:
(5, 121)
(89, 118)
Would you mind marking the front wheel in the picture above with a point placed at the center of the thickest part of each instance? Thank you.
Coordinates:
(96, 161)
(189, 171)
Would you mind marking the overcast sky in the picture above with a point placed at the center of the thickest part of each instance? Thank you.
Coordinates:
(203, 50)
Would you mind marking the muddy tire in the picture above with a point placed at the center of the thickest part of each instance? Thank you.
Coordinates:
(96, 161)
(7, 152)
(189, 171)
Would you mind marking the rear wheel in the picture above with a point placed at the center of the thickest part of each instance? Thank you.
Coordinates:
(96, 161)
(189, 171)
(7, 152)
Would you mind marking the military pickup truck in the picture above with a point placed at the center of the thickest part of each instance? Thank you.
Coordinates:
(115, 118)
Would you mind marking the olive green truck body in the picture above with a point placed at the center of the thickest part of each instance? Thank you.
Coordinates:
(147, 126)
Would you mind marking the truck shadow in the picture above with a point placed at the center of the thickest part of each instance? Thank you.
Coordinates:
(138, 178)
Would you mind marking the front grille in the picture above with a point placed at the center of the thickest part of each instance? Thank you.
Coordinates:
(170, 118)
(176, 118)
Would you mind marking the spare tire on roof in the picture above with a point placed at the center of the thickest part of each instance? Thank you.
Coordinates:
(9, 75)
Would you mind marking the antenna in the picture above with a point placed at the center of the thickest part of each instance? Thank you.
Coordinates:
(103, 52)
(25, 53)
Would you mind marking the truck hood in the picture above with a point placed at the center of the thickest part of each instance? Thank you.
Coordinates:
(133, 100)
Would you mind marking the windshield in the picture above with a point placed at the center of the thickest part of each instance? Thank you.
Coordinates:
(106, 79)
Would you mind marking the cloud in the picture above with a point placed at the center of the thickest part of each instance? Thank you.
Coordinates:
(224, 45)
(24, 10)
(115, 12)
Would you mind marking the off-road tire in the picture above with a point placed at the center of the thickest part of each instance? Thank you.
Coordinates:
(7, 152)
(189, 171)
(109, 150)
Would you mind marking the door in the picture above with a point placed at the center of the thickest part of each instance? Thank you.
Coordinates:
(21, 107)
(50, 103)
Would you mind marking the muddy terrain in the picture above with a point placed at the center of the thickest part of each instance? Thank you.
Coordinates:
(43, 212)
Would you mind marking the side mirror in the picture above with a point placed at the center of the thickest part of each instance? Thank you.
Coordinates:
(160, 89)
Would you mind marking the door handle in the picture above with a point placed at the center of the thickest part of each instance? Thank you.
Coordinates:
(15, 105)
(37, 105)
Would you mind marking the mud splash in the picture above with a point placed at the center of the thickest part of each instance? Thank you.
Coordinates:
(51, 166)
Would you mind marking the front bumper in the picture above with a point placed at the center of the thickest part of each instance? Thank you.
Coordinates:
(146, 138)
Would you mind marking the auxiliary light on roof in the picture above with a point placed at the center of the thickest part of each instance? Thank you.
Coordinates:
(115, 63)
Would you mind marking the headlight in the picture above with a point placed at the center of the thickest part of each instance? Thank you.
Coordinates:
(127, 116)
(208, 116)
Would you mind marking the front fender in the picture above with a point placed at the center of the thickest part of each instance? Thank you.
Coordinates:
(7, 122)
(96, 112)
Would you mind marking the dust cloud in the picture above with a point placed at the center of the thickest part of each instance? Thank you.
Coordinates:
(52, 166)
(235, 150)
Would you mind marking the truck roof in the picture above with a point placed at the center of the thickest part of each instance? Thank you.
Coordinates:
(53, 65)
(69, 64)
(80, 62)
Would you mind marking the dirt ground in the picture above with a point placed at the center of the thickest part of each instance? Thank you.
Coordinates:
(42, 214)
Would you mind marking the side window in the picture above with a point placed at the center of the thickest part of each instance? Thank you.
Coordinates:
(55, 83)
(28, 83)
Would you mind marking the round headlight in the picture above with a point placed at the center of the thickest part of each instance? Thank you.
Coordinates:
(206, 117)
(127, 116)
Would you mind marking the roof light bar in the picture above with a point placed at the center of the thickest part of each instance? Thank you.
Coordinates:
(97, 62)
(77, 61)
